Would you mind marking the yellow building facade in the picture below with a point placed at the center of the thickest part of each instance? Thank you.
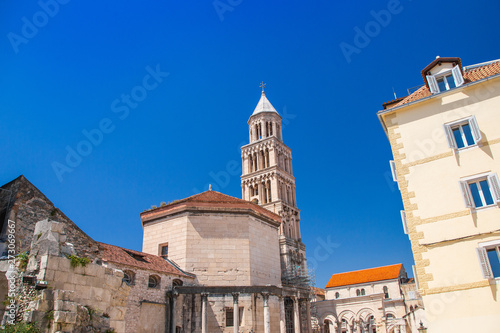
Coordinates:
(445, 139)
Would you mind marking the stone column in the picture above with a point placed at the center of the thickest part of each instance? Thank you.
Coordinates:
(296, 314)
(204, 328)
(236, 313)
(282, 315)
(358, 326)
(308, 315)
(267, 319)
(174, 323)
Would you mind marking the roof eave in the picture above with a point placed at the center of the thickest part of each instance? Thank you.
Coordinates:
(396, 108)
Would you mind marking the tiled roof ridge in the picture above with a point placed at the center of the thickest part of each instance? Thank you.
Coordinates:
(470, 75)
(149, 265)
(365, 276)
(220, 198)
(368, 269)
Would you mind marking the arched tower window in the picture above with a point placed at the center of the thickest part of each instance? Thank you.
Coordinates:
(386, 292)
(267, 158)
(337, 295)
(363, 292)
(358, 293)
(269, 189)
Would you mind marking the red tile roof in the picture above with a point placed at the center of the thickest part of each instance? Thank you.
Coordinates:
(208, 199)
(119, 255)
(470, 75)
(365, 276)
(318, 291)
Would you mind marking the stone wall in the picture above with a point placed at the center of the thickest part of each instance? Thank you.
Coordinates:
(27, 205)
(148, 309)
(65, 297)
(220, 248)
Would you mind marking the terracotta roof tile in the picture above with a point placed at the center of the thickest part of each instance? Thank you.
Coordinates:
(119, 255)
(318, 291)
(470, 75)
(209, 199)
(365, 276)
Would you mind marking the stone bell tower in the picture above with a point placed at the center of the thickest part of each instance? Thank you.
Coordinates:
(268, 180)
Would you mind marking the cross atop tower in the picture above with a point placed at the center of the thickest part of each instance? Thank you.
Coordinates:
(263, 86)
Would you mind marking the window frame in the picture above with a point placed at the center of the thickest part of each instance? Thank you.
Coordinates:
(404, 221)
(385, 290)
(160, 250)
(455, 72)
(230, 311)
(157, 281)
(475, 131)
(131, 280)
(484, 261)
(493, 185)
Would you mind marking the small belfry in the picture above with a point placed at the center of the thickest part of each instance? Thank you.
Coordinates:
(268, 180)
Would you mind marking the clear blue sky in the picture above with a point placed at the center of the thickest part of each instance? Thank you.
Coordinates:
(71, 71)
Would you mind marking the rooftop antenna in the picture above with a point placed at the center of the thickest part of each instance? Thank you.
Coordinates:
(395, 97)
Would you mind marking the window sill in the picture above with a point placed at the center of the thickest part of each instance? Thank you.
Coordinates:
(494, 281)
(493, 206)
(474, 146)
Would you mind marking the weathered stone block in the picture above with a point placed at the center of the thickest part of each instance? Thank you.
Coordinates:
(71, 317)
(69, 306)
(117, 313)
(59, 305)
(92, 269)
(61, 277)
(59, 316)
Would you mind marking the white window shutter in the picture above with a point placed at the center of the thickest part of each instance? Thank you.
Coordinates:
(495, 186)
(466, 194)
(485, 263)
(433, 85)
(405, 224)
(449, 136)
(475, 129)
(393, 170)
(457, 76)
(414, 269)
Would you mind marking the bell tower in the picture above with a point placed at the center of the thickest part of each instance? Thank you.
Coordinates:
(268, 180)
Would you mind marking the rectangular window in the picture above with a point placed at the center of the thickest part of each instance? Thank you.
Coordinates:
(445, 81)
(230, 317)
(163, 250)
(462, 133)
(489, 258)
(481, 192)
